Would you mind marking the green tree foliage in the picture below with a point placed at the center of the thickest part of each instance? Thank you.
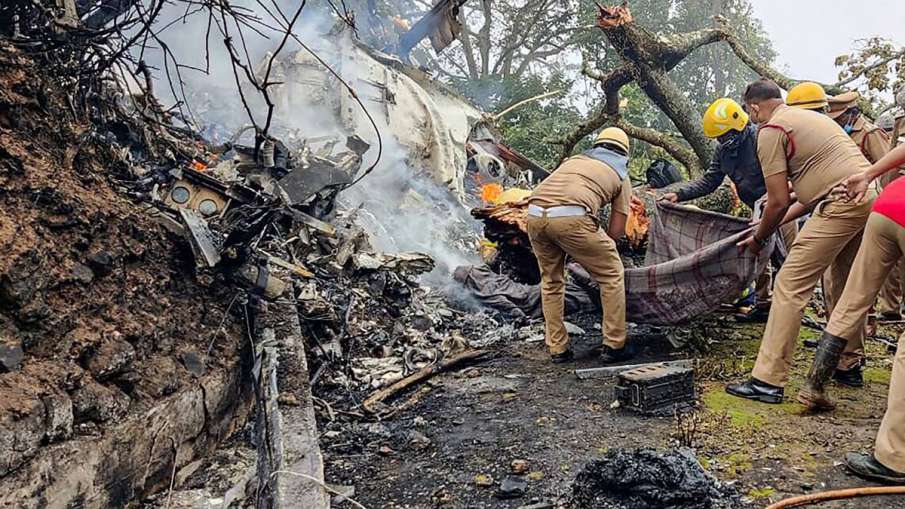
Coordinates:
(711, 72)
(880, 61)
(511, 50)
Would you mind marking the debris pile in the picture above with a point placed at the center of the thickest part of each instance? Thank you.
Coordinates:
(141, 263)
(107, 336)
(271, 224)
(647, 479)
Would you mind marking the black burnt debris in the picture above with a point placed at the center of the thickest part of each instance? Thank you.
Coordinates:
(647, 479)
(160, 272)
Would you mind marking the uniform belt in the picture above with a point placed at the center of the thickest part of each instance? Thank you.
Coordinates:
(560, 211)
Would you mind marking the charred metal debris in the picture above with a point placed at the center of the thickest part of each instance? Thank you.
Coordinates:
(323, 309)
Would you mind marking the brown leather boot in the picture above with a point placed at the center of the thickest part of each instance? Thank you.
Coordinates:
(826, 358)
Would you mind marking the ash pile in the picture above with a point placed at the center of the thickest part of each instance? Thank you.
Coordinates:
(647, 479)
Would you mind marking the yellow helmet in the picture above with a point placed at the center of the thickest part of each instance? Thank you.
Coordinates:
(807, 95)
(615, 136)
(724, 114)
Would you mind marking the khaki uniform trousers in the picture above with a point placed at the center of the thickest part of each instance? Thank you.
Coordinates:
(890, 298)
(829, 239)
(881, 249)
(764, 283)
(889, 448)
(579, 237)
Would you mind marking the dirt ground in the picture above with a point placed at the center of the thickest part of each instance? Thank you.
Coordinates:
(470, 424)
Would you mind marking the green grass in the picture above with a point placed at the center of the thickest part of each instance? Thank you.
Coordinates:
(738, 463)
(764, 492)
(741, 412)
(877, 375)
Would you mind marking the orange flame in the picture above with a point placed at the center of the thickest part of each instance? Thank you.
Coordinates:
(638, 223)
(490, 193)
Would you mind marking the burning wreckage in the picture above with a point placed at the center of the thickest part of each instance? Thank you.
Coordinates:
(262, 223)
(266, 225)
(320, 306)
(269, 222)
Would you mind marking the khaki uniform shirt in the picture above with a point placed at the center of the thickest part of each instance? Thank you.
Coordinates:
(899, 131)
(874, 144)
(873, 141)
(813, 150)
(587, 182)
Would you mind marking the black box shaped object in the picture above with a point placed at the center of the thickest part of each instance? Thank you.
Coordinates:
(657, 389)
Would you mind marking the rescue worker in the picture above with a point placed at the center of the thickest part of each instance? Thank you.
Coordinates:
(735, 157)
(562, 220)
(811, 96)
(883, 246)
(874, 144)
(893, 124)
(816, 155)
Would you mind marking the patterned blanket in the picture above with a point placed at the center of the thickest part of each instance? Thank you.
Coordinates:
(692, 266)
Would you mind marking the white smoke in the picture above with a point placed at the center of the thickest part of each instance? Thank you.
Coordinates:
(404, 207)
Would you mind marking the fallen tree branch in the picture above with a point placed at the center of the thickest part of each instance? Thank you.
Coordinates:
(782, 80)
(611, 83)
(419, 376)
(755, 64)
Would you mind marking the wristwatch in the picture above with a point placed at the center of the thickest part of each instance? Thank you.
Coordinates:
(760, 242)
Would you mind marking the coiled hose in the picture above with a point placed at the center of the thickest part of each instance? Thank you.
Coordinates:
(816, 498)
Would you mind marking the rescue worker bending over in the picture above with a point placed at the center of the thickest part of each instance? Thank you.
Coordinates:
(816, 155)
(874, 144)
(736, 157)
(883, 246)
(562, 220)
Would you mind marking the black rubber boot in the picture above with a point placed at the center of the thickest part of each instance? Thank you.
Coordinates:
(826, 358)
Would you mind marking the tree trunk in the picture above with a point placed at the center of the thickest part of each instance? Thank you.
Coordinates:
(484, 41)
(467, 48)
(648, 58)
